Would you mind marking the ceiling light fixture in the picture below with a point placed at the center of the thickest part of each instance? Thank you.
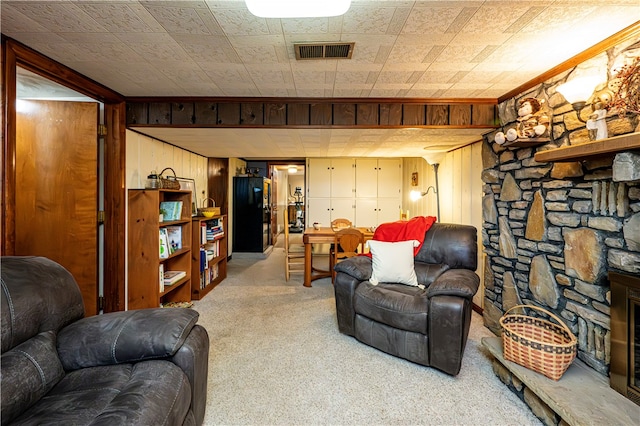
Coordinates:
(293, 170)
(297, 8)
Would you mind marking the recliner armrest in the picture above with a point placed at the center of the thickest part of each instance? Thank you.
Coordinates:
(455, 282)
(358, 267)
(127, 336)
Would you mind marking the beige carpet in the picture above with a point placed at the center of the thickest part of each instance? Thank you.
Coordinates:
(277, 358)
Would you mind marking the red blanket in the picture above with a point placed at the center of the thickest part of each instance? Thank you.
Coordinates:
(403, 230)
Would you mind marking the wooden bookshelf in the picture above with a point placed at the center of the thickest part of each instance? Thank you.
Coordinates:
(144, 261)
(206, 274)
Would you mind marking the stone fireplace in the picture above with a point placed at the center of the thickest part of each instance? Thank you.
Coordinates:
(625, 335)
(552, 231)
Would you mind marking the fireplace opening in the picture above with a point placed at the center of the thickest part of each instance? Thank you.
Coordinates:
(625, 335)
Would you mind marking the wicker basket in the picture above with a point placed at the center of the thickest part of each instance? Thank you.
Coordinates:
(208, 211)
(537, 344)
(170, 182)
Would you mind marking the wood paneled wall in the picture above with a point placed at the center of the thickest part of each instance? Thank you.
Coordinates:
(238, 112)
(460, 193)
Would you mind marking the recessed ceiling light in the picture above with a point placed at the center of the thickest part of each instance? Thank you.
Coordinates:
(297, 8)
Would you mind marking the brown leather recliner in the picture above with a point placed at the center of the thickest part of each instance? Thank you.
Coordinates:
(428, 326)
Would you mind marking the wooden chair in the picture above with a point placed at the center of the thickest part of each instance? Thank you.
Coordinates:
(293, 253)
(349, 242)
(340, 223)
(337, 225)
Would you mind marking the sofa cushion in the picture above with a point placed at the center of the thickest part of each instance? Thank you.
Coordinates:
(29, 371)
(358, 267)
(392, 262)
(37, 295)
(146, 393)
(428, 272)
(126, 336)
(397, 305)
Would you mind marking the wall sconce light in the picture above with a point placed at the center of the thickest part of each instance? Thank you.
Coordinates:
(415, 194)
(578, 91)
(297, 8)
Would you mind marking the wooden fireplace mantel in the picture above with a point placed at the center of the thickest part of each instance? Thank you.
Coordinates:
(609, 146)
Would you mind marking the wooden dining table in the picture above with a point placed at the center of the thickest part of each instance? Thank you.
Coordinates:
(322, 235)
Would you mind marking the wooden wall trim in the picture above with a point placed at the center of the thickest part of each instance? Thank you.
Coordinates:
(288, 100)
(7, 218)
(338, 114)
(114, 206)
(629, 32)
(42, 65)
(15, 54)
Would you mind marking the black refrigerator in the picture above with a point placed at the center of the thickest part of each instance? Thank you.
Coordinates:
(251, 214)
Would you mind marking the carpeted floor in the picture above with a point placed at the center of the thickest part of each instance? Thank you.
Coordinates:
(277, 358)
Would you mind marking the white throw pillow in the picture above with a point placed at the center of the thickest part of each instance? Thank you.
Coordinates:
(392, 262)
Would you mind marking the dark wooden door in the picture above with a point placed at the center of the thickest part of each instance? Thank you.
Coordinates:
(57, 188)
(274, 205)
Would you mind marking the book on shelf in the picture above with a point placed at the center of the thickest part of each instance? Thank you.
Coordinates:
(203, 259)
(214, 247)
(173, 210)
(174, 234)
(165, 248)
(161, 275)
(171, 277)
(203, 232)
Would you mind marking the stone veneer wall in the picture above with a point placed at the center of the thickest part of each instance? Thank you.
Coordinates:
(552, 231)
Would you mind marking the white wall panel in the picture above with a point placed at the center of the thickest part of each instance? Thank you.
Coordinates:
(460, 193)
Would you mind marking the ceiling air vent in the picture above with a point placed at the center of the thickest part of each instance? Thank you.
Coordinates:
(323, 50)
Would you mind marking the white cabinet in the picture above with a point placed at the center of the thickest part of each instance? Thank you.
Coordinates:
(330, 189)
(330, 177)
(324, 210)
(378, 178)
(378, 190)
(374, 211)
(367, 191)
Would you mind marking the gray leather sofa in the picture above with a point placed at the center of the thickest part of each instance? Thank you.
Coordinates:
(428, 326)
(144, 367)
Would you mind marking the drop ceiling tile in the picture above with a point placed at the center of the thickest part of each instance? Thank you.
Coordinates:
(266, 78)
(38, 41)
(392, 77)
(352, 77)
(117, 17)
(480, 77)
(427, 20)
(460, 53)
(451, 66)
(15, 22)
(365, 20)
(260, 54)
(241, 22)
(158, 38)
(305, 26)
(226, 75)
(409, 53)
(495, 17)
(64, 17)
(88, 38)
(566, 16)
(178, 19)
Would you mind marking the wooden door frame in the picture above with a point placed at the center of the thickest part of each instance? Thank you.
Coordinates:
(15, 54)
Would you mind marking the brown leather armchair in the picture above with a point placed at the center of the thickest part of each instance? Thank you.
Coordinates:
(428, 326)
